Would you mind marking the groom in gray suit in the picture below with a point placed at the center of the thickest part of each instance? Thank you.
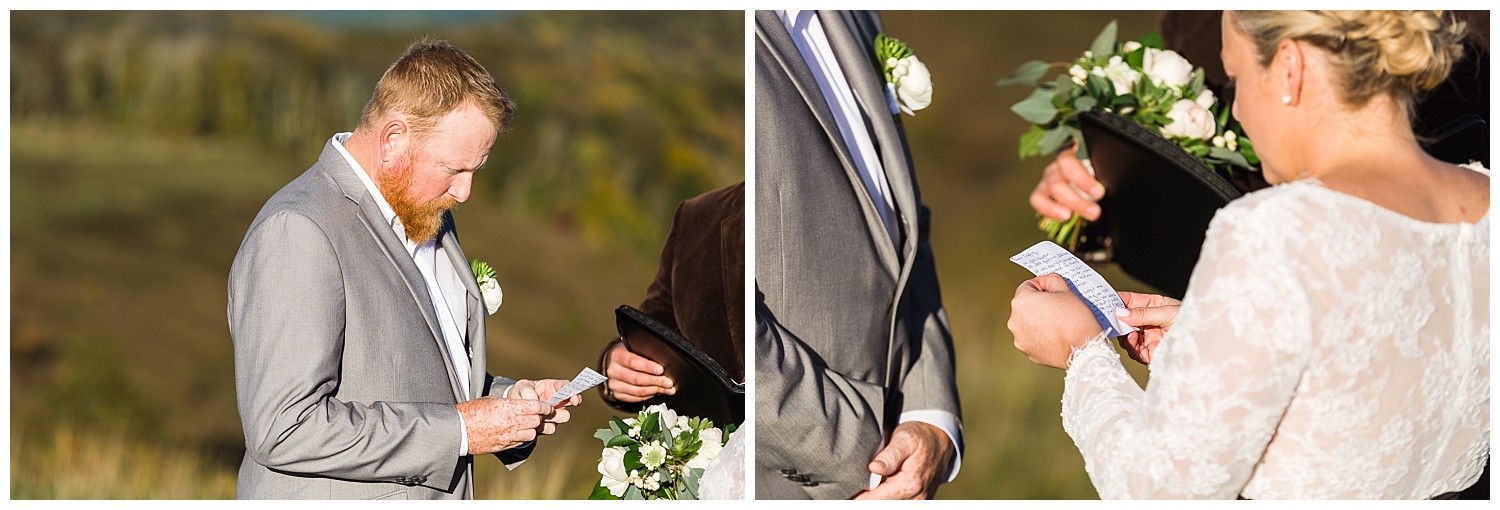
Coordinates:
(855, 392)
(359, 348)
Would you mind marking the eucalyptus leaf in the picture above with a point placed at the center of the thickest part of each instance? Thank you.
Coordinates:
(1053, 140)
(1104, 43)
(1085, 103)
(605, 435)
(1036, 108)
(690, 485)
(633, 492)
(1196, 83)
(618, 426)
(1063, 86)
(1239, 160)
(1027, 74)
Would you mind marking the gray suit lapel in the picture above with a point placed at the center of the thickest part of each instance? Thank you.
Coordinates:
(770, 29)
(771, 32)
(395, 251)
(474, 329)
(851, 38)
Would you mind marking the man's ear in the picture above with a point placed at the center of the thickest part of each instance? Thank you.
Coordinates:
(394, 139)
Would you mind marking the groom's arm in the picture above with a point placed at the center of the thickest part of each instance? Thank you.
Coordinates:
(930, 390)
(810, 420)
(286, 317)
(499, 386)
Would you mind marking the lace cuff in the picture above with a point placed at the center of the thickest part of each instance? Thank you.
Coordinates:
(1092, 347)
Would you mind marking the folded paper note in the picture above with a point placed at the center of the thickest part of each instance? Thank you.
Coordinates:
(586, 379)
(1047, 257)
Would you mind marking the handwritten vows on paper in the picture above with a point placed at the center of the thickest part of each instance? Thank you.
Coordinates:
(586, 379)
(1047, 257)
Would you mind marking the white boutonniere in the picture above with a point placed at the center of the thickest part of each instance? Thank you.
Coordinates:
(489, 287)
(908, 84)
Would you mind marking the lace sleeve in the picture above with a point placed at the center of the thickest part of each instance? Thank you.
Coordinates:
(1220, 381)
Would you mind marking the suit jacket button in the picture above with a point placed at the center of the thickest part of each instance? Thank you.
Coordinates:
(798, 478)
(809, 484)
(419, 480)
(788, 471)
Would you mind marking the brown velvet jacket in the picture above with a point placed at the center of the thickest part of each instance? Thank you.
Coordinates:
(700, 281)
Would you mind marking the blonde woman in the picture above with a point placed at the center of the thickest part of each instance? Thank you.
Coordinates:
(1334, 338)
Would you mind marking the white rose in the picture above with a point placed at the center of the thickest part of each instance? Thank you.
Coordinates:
(612, 467)
(1166, 67)
(1131, 46)
(490, 289)
(1189, 120)
(1205, 99)
(667, 418)
(1119, 74)
(913, 84)
(713, 443)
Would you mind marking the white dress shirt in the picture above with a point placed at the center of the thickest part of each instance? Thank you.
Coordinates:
(807, 32)
(447, 300)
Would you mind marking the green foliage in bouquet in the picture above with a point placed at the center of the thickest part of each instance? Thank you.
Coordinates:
(656, 455)
(1137, 80)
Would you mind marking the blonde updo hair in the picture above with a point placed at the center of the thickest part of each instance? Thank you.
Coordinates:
(1402, 53)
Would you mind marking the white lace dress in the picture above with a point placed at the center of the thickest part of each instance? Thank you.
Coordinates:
(1326, 348)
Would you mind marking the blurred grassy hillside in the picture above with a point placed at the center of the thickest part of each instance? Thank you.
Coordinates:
(965, 151)
(142, 144)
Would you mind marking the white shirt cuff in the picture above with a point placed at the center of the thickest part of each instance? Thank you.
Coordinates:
(949, 424)
(463, 436)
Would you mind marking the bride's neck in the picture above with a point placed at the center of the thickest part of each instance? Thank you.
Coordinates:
(1374, 140)
(1371, 153)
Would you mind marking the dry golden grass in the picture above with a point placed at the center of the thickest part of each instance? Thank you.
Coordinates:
(73, 463)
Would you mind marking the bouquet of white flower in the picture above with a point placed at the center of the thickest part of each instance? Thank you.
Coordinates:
(1171, 100)
(656, 455)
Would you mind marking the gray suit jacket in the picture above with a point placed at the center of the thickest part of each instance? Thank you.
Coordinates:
(344, 383)
(850, 328)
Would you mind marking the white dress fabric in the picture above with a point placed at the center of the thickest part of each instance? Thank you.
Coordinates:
(724, 478)
(1326, 348)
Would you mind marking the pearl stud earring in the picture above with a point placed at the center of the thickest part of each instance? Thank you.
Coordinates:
(1287, 99)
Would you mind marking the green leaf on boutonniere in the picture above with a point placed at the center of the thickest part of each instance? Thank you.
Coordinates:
(605, 435)
(481, 269)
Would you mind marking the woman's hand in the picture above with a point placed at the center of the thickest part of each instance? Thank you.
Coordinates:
(1151, 313)
(1048, 320)
(633, 378)
(1067, 187)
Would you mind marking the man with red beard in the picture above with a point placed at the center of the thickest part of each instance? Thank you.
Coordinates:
(358, 329)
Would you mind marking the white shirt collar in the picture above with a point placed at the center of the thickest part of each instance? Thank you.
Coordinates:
(364, 177)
